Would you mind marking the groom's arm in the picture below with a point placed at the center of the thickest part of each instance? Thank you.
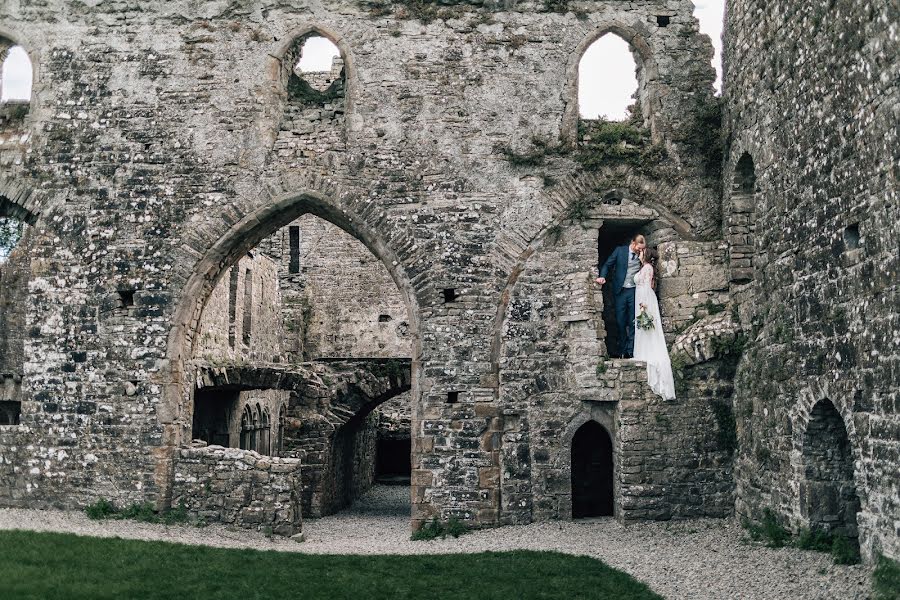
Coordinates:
(609, 264)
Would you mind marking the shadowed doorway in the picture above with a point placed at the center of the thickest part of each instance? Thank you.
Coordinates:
(592, 472)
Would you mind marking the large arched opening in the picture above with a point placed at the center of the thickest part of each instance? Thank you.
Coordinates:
(261, 297)
(829, 502)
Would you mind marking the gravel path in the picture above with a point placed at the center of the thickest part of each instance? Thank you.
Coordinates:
(691, 560)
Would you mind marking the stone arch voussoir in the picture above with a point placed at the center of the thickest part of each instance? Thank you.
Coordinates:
(514, 248)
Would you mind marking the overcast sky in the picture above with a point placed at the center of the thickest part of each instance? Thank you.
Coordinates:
(607, 69)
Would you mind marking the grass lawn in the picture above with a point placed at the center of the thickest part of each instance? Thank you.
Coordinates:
(48, 565)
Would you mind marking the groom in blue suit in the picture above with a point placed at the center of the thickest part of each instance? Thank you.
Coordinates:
(625, 263)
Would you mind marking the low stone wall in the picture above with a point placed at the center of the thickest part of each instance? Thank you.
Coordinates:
(239, 487)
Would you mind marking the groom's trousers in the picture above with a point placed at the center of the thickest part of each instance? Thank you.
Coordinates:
(625, 321)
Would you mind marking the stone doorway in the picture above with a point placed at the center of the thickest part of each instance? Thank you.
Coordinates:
(828, 498)
(611, 236)
(592, 472)
(392, 462)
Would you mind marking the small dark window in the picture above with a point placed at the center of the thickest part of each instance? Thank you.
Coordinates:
(294, 238)
(79, 357)
(10, 412)
(384, 318)
(663, 20)
(452, 397)
(851, 237)
(126, 298)
(449, 295)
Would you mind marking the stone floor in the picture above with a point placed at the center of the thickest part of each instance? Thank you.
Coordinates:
(702, 559)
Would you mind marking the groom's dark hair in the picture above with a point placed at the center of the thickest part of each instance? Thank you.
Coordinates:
(637, 236)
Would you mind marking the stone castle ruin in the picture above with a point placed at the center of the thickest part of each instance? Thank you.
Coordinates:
(253, 291)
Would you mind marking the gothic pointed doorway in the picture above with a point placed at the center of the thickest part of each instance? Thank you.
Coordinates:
(592, 472)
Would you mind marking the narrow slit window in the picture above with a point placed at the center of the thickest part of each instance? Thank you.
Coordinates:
(663, 20)
(232, 306)
(452, 397)
(248, 307)
(450, 295)
(294, 241)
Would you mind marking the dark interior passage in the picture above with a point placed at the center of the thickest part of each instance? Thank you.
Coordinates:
(611, 236)
(213, 411)
(392, 462)
(592, 472)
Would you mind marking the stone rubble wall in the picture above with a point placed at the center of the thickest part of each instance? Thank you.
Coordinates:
(223, 320)
(812, 100)
(343, 302)
(240, 488)
(395, 418)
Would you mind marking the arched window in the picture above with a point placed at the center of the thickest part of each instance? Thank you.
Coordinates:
(741, 227)
(319, 63)
(281, 420)
(15, 74)
(828, 497)
(313, 70)
(247, 429)
(265, 432)
(607, 80)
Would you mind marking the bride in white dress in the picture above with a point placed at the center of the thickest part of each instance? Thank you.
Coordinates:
(649, 342)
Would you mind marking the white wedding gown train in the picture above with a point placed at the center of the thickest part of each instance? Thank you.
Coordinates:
(650, 344)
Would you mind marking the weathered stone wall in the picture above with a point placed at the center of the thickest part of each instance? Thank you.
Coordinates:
(395, 418)
(670, 461)
(812, 102)
(158, 154)
(342, 302)
(228, 330)
(235, 487)
(14, 276)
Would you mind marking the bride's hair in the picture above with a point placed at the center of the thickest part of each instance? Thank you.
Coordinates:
(651, 257)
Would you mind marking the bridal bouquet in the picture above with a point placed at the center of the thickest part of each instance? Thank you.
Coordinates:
(643, 320)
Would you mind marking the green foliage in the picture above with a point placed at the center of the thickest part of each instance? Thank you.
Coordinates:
(439, 529)
(727, 427)
(679, 372)
(729, 347)
(10, 234)
(534, 156)
(612, 143)
(704, 135)
(67, 567)
(713, 308)
(814, 539)
(886, 579)
(556, 6)
(136, 511)
(768, 530)
(601, 368)
(300, 90)
(101, 509)
(844, 551)
(394, 368)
